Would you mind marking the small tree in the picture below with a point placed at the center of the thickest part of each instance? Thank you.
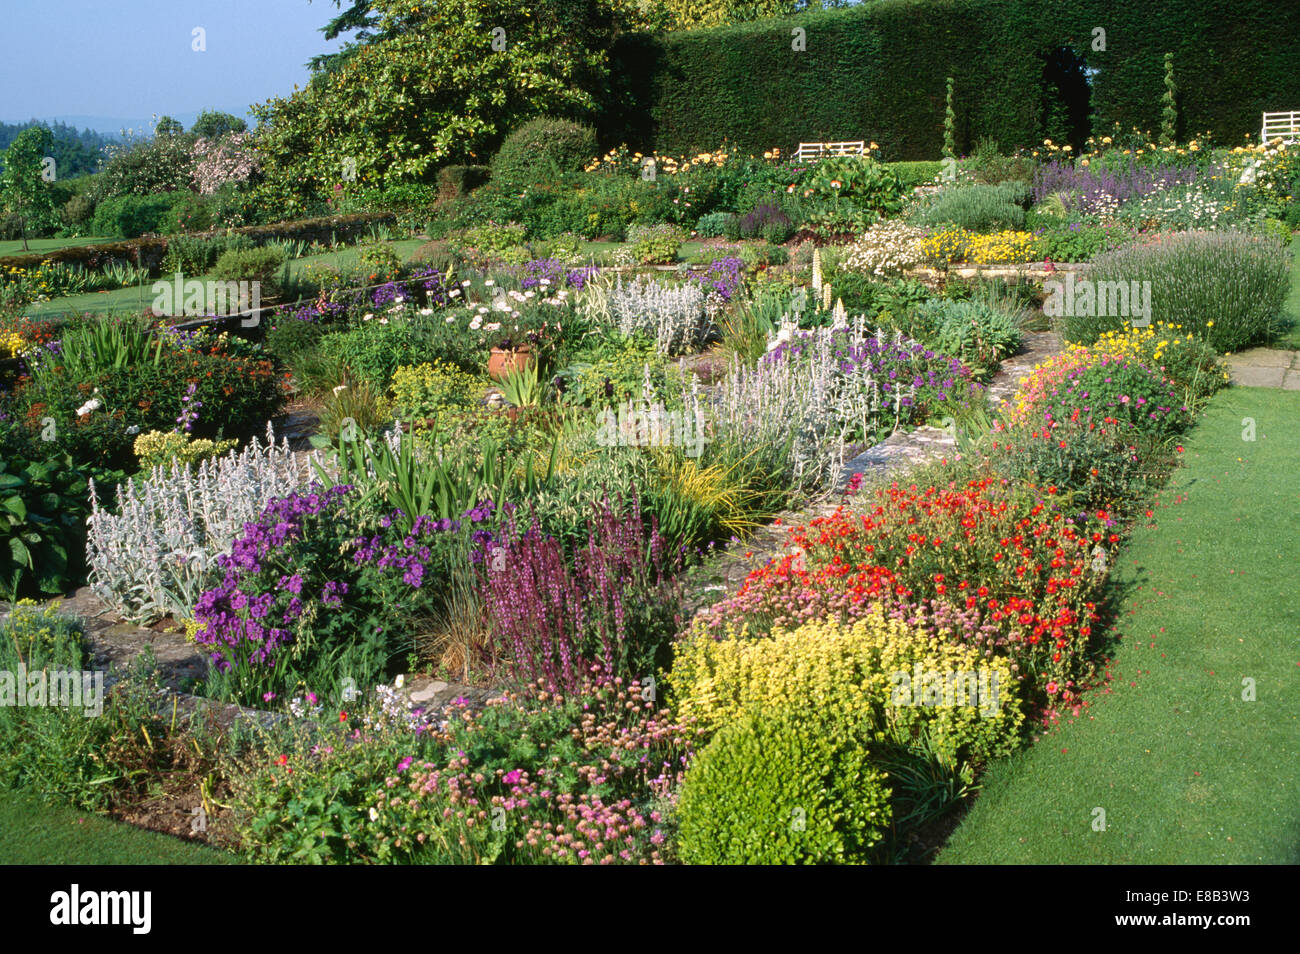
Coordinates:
(213, 124)
(949, 127)
(23, 191)
(1169, 110)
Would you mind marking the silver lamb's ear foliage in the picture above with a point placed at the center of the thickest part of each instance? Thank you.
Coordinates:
(676, 315)
(158, 552)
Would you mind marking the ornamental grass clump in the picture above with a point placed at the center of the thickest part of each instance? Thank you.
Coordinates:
(1225, 287)
(156, 554)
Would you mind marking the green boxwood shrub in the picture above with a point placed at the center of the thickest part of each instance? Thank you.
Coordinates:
(783, 788)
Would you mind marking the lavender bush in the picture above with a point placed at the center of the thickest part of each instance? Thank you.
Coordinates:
(1098, 191)
(158, 552)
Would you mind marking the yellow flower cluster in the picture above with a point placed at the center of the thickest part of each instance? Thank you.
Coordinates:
(958, 245)
(855, 669)
(11, 343)
(1162, 345)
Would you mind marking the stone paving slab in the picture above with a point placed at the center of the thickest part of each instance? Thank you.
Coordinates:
(1265, 368)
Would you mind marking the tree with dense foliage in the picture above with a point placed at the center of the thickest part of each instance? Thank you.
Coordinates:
(24, 193)
(213, 124)
(438, 84)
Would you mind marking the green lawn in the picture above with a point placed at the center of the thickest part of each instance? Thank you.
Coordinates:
(36, 834)
(1186, 771)
(137, 298)
(15, 247)
(1290, 338)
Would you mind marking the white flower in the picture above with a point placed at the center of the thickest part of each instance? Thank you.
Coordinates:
(341, 387)
(475, 323)
(489, 283)
(530, 293)
(492, 326)
(133, 429)
(454, 293)
(426, 311)
(374, 815)
(449, 319)
(367, 317)
(398, 300)
(401, 678)
(92, 405)
(465, 284)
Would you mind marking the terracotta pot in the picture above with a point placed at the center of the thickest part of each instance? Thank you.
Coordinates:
(503, 362)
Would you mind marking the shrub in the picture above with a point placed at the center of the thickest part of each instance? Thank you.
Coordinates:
(655, 244)
(853, 670)
(496, 242)
(1078, 242)
(782, 788)
(913, 174)
(456, 182)
(977, 208)
(129, 216)
(252, 265)
(541, 149)
(439, 254)
(713, 224)
(423, 391)
(1225, 287)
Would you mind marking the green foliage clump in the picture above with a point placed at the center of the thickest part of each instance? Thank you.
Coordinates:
(978, 208)
(713, 224)
(422, 391)
(252, 264)
(1225, 287)
(783, 787)
(130, 216)
(655, 244)
(543, 149)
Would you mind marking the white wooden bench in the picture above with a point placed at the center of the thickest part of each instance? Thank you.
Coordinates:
(1284, 126)
(810, 151)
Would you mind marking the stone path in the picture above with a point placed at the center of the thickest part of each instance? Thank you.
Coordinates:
(1265, 368)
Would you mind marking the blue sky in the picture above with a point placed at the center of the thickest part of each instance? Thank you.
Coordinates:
(129, 59)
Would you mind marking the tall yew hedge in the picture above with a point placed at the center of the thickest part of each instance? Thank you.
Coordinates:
(877, 71)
